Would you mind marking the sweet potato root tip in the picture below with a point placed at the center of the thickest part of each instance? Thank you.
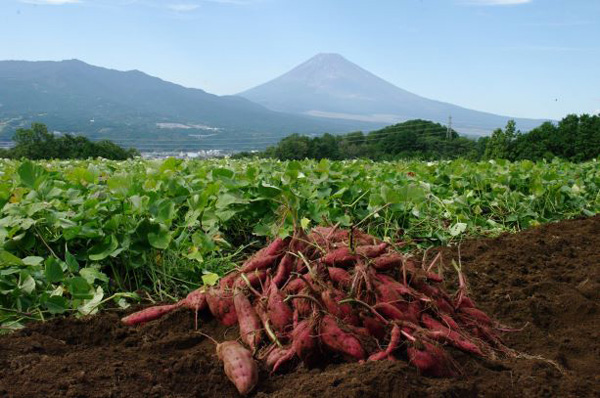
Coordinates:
(280, 358)
(378, 356)
(239, 366)
(148, 314)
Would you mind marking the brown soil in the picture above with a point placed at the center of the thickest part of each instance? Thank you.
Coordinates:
(547, 278)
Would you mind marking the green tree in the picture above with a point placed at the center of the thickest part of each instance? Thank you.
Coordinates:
(38, 143)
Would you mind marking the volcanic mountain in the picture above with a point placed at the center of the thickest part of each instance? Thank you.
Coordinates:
(328, 85)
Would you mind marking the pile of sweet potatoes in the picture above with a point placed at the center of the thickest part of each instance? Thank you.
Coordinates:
(345, 294)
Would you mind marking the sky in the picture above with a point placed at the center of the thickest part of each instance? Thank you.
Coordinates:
(522, 58)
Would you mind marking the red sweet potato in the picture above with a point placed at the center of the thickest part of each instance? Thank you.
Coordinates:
(304, 342)
(386, 293)
(295, 285)
(228, 280)
(277, 246)
(284, 269)
(331, 298)
(388, 262)
(476, 315)
(394, 340)
(375, 327)
(339, 341)
(340, 277)
(392, 312)
(431, 360)
(195, 301)
(438, 331)
(149, 314)
(279, 357)
(398, 287)
(221, 306)
(259, 261)
(378, 356)
(341, 257)
(371, 251)
(279, 313)
(255, 279)
(303, 305)
(250, 326)
(464, 302)
(239, 366)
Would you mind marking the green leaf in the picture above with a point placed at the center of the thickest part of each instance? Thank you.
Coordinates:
(33, 260)
(71, 262)
(8, 259)
(210, 278)
(91, 274)
(56, 304)
(160, 237)
(31, 174)
(305, 222)
(103, 249)
(91, 306)
(79, 288)
(458, 229)
(27, 283)
(54, 272)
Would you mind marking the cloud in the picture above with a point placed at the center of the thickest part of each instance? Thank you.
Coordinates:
(51, 2)
(183, 7)
(495, 2)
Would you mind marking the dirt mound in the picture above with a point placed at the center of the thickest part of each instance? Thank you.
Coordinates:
(549, 277)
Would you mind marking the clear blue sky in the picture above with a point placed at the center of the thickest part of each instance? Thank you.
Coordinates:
(526, 58)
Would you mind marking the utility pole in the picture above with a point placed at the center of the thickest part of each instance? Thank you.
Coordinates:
(449, 131)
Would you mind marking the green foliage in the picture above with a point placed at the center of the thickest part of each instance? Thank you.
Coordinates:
(575, 138)
(76, 234)
(414, 139)
(37, 143)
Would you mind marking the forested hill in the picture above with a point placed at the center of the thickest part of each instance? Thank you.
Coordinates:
(133, 109)
(575, 138)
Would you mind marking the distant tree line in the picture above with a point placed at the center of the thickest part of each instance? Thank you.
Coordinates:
(575, 138)
(37, 143)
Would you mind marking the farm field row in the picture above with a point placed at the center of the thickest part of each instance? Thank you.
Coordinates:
(75, 235)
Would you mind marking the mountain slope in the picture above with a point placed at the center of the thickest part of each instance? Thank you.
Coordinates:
(73, 96)
(329, 85)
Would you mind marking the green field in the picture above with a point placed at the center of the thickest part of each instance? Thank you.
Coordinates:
(76, 235)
